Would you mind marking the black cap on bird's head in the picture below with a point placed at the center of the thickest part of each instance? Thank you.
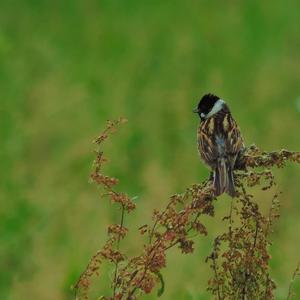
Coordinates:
(207, 105)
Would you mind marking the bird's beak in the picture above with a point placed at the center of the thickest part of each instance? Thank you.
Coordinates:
(195, 110)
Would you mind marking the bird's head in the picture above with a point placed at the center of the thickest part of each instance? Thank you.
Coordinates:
(208, 106)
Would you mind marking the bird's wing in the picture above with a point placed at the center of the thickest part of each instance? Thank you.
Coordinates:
(234, 141)
(216, 140)
(206, 142)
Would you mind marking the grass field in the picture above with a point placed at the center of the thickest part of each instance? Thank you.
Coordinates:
(68, 66)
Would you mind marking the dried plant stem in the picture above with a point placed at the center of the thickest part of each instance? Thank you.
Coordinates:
(118, 248)
(85, 273)
(217, 277)
(295, 274)
(239, 259)
(230, 216)
(154, 245)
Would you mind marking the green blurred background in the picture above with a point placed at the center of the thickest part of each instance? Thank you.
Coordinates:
(68, 66)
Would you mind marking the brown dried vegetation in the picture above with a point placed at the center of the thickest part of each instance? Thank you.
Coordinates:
(239, 259)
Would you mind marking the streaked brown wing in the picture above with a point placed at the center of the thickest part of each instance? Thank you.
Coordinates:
(234, 140)
(227, 130)
(206, 146)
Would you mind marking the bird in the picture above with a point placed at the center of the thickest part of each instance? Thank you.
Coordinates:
(219, 142)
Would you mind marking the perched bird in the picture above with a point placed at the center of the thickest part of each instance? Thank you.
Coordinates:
(219, 142)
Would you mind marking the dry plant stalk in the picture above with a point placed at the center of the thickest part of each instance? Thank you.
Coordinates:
(295, 274)
(239, 259)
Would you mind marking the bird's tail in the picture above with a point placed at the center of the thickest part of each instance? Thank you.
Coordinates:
(223, 178)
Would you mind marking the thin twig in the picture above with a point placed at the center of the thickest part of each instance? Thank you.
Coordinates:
(295, 274)
(115, 282)
(217, 276)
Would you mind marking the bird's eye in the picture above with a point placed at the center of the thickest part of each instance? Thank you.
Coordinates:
(202, 115)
